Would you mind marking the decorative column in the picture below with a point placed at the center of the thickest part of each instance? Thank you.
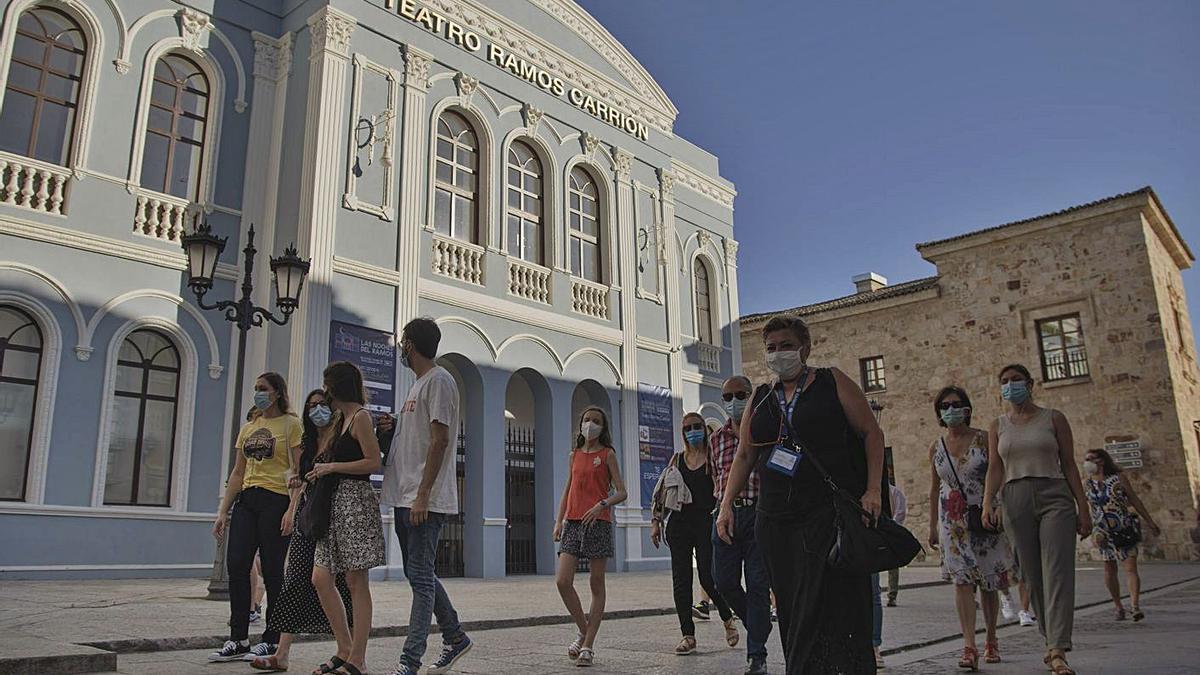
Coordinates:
(324, 136)
(629, 515)
(413, 187)
(735, 331)
(667, 257)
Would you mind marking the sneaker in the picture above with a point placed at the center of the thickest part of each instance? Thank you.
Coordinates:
(878, 659)
(891, 602)
(756, 666)
(574, 648)
(232, 651)
(1027, 618)
(254, 617)
(586, 658)
(260, 650)
(1138, 614)
(404, 669)
(450, 654)
(774, 615)
(1006, 606)
(701, 610)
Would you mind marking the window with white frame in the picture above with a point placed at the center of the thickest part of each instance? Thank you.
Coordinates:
(20, 368)
(525, 200)
(873, 372)
(584, 225)
(456, 178)
(43, 87)
(1063, 353)
(704, 327)
(141, 449)
(175, 126)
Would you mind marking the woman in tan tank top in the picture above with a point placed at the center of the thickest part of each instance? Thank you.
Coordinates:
(1031, 454)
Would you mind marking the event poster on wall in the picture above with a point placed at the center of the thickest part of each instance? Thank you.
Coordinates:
(374, 354)
(656, 435)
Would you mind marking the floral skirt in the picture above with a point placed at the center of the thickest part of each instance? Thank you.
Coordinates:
(355, 540)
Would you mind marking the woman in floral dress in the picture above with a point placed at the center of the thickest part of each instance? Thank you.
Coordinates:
(1117, 528)
(958, 466)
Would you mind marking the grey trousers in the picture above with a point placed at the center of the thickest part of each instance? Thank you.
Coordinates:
(1040, 519)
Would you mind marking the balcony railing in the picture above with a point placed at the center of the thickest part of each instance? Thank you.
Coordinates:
(1064, 365)
(709, 357)
(528, 281)
(589, 298)
(163, 216)
(32, 184)
(458, 260)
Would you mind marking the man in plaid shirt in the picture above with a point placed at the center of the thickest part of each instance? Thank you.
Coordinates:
(753, 604)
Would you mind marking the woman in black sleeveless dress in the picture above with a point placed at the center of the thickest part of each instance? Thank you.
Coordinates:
(824, 616)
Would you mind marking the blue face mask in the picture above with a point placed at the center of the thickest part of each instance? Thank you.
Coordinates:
(694, 437)
(735, 408)
(320, 415)
(954, 417)
(1015, 392)
(263, 400)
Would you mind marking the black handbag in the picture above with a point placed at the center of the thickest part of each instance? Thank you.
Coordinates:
(314, 517)
(974, 511)
(1128, 536)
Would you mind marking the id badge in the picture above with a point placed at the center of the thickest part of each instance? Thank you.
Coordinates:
(783, 460)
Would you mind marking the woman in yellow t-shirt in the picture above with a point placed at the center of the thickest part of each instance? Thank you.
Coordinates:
(264, 509)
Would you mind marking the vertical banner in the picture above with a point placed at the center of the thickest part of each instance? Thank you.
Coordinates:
(656, 435)
(374, 354)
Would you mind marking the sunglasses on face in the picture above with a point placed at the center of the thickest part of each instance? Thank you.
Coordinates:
(698, 426)
(946, 405)
(739, 395)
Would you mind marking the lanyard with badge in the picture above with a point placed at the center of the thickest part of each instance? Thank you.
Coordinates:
(785, 456)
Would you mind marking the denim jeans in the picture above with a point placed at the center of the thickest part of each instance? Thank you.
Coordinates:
(418, 546)
(753, 604)
(876, 611)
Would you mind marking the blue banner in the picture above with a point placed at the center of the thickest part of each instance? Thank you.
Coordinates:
(375, 355)
(656, 435)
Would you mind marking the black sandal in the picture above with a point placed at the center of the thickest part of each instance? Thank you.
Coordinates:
(347, 668)
(333, 664)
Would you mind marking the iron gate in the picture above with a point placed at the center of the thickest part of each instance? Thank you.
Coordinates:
(520, 547)
(449, 561)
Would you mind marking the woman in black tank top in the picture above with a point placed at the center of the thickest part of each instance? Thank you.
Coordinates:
(824, 617)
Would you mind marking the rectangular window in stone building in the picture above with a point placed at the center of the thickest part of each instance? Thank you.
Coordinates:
(873, 377)
(1060, 340)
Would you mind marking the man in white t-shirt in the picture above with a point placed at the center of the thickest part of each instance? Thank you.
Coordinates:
(419, 483)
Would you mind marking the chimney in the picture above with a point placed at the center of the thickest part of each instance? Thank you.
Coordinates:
(868, 283)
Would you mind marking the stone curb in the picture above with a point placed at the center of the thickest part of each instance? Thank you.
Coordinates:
(955, 636)
(97, 662)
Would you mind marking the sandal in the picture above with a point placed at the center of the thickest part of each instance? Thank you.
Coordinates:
(686, 646)
(991, 651)
(970, 659)
(268, 664)
(1120, 614)
(1058, 664)
(731, 632)
(1138, 614)
(347, 668)
(586, 658)
(329, 666)
(575, 647)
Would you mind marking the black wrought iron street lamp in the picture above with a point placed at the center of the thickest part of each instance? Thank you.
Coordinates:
(203, 250)
(876, 409)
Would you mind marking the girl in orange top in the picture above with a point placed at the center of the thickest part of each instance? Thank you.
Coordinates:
(584, 525)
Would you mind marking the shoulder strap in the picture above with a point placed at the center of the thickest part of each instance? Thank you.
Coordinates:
(950, 463)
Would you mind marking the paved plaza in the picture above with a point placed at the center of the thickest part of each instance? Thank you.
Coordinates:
(519, 627)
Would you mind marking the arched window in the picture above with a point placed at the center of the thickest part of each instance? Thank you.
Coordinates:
(704, 328)
(175, 126)
(20, 366)
(525, 203)
(42, 91)
(141, 447)
(584, 225)
(456, 179)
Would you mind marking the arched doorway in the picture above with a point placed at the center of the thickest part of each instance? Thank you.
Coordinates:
(587, 394)
(451, 552)
(526, 389)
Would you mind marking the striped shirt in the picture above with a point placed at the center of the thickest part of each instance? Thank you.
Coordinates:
(722, 446)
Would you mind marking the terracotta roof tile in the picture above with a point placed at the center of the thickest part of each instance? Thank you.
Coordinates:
(884, 293)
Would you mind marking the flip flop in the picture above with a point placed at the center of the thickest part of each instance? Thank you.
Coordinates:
(347, 669)
(270, 664)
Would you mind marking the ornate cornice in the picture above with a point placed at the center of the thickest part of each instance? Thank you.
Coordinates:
(702, 184)
(416, 67)
(330, 31)
(272, 58)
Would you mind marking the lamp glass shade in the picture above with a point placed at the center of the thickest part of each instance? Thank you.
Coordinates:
(203, 251)
(289, 272)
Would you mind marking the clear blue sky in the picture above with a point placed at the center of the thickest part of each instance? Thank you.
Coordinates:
(855, 130)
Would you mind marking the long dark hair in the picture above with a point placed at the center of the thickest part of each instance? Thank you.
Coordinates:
(309, 441)
(946, 391)
(1108, 467)
(344, 382)
(280, 386)
(605, 438)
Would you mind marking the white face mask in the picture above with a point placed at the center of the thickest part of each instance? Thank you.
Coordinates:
(1091, 468)
(589, 430)
(785, 363)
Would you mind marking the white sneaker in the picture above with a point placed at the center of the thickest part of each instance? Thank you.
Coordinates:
(1006, 606)
(1027, 618)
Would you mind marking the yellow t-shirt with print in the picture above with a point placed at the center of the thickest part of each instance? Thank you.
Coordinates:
(266, 445)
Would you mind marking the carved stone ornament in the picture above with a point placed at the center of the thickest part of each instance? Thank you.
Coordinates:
(466, 85)
(273, 58)
(703, 239)
(590, 142)
(666, 185)
(533, 116)
(416, 68)
(330, 30)
(192, 27)
(624, 162)
(121, 66)
(731, 249)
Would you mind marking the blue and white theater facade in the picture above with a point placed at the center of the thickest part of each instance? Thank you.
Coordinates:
(506, 167)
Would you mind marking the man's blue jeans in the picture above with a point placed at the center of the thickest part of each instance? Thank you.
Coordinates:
(753, 604)
(418, 546)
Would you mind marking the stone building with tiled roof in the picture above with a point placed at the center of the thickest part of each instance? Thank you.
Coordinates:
(1090, 298)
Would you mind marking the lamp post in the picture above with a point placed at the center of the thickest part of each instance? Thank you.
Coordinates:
(876, 409)
(203, 249)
